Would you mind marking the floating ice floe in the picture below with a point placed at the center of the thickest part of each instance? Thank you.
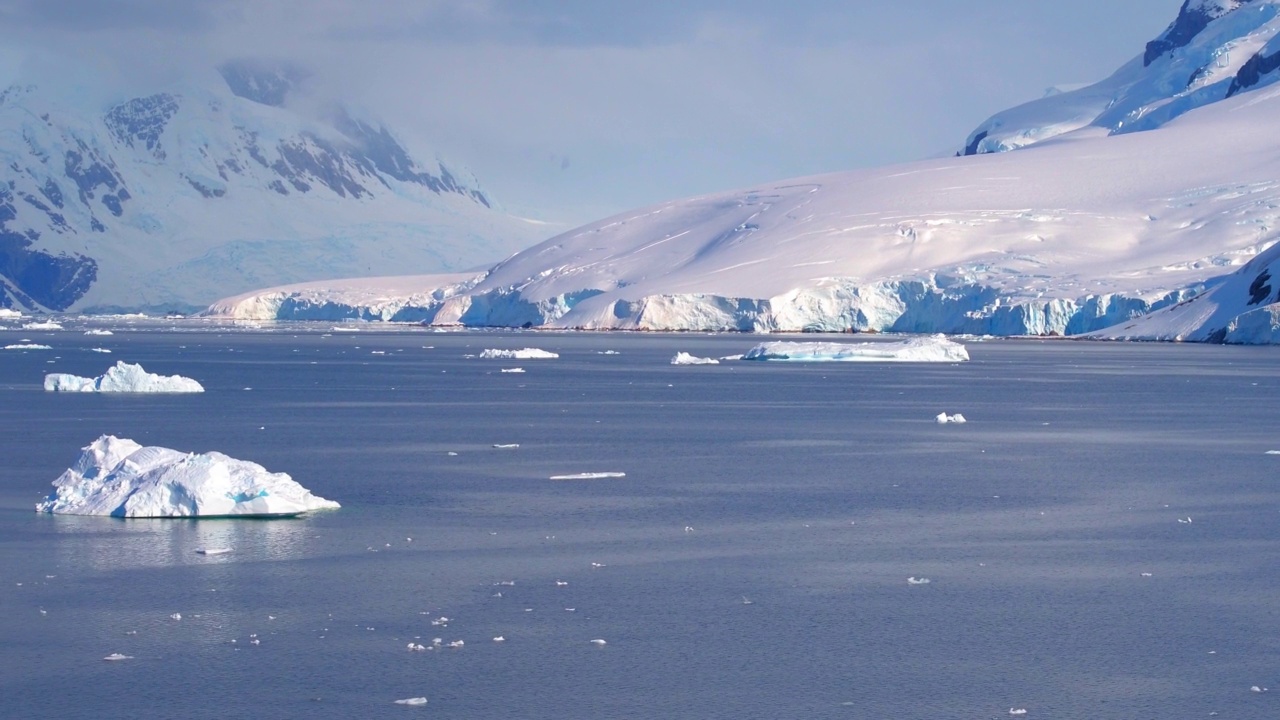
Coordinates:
(1273, 452)
(412, 701)
(507, 446)
(42, 325)
(118, 477)
(589, 476)
(512, 370)
(944, 418)
(123, 378)
(27, 346)
(1017, 711)
(935, 348)
(213, 551)
(117, 656)
(918, 581)
(598, 641)
(7, 314)
(96, 331)
(684, 358)
(525, 354)
(99, 350)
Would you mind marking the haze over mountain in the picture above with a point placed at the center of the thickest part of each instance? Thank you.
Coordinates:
(231, 179)
(1086, 225)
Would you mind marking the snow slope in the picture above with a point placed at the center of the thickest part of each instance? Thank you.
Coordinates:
(220, 184)
(1072, 234)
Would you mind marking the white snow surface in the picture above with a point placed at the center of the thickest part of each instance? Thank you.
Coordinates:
(120, 478)
(523, 354)
(122, 378)
(1066, 237)
(684, 358)
(936, 349)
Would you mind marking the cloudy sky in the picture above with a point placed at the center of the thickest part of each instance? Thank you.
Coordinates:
(568, 110)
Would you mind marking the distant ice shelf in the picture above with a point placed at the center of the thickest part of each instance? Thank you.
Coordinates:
(122, 378)
(118, 477)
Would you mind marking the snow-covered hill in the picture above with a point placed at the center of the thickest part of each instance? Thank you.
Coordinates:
(173, 199)
(1074, 234)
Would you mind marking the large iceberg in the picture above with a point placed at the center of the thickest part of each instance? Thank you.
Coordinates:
(525, 354)
(123, 378)
(120, 478)
(935, 348)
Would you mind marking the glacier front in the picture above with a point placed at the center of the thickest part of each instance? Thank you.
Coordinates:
(122, 378)
(118, 477)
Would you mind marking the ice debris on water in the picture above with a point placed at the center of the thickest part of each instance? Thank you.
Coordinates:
(412, 700)
(589, 476)
(123, 378)
(27, 346)
(918, 581)
(1017, 711)
(513, 370)
(684, 358)
(42, 325)
(506, 446)
(598, 641)
(118, 656)
(120, 478)
(943, 419)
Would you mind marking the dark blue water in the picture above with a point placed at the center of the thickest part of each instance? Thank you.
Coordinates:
(813, 491)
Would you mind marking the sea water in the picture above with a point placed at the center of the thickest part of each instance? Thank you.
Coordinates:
(1101, 538)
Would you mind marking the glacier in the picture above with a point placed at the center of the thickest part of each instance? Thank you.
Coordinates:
(120, 478)
(936, 349)
(1085, 224)
(123, 377)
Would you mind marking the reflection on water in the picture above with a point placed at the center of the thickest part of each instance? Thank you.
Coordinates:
(100, 543)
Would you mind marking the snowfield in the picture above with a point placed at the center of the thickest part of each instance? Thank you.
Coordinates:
(118, 477)
(1087, 226)
(122, 378)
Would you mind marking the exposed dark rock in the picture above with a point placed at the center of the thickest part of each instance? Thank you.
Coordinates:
(972, 147)
(205, 190)
(141, 122)
(1182, 31)
(1252, 72)
(1260, 288)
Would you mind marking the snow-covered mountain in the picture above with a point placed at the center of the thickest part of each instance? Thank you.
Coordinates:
(175, 198)
(1088, 228)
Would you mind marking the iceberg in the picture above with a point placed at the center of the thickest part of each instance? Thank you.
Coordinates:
(42, 325)
(118, 477)
(98, 332)
(27, 346)
(525, 354)
(944, 418)
(8, 314)
(935, 348)
(123, 378)
(684, 358)
(412, 701)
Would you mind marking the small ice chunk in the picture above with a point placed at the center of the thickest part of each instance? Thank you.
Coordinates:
(117, 656)
(125, 378)
(412, 700)
(512, 370)
(99, 350)
(176, 616)
(524, 354)
(42, 325)
(918, 581)
(1017, 711)
(9, 314)
(96, 331)
(944, 418)
(213, 551)
(27, 346)
(589, 476)
(684, 358)
(1273, 452)
(598, 641)
(499, 639)
(506, 446)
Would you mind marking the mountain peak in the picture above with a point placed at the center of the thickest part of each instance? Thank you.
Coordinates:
(266, 82)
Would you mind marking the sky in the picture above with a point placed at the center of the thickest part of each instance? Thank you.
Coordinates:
(573, 110)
